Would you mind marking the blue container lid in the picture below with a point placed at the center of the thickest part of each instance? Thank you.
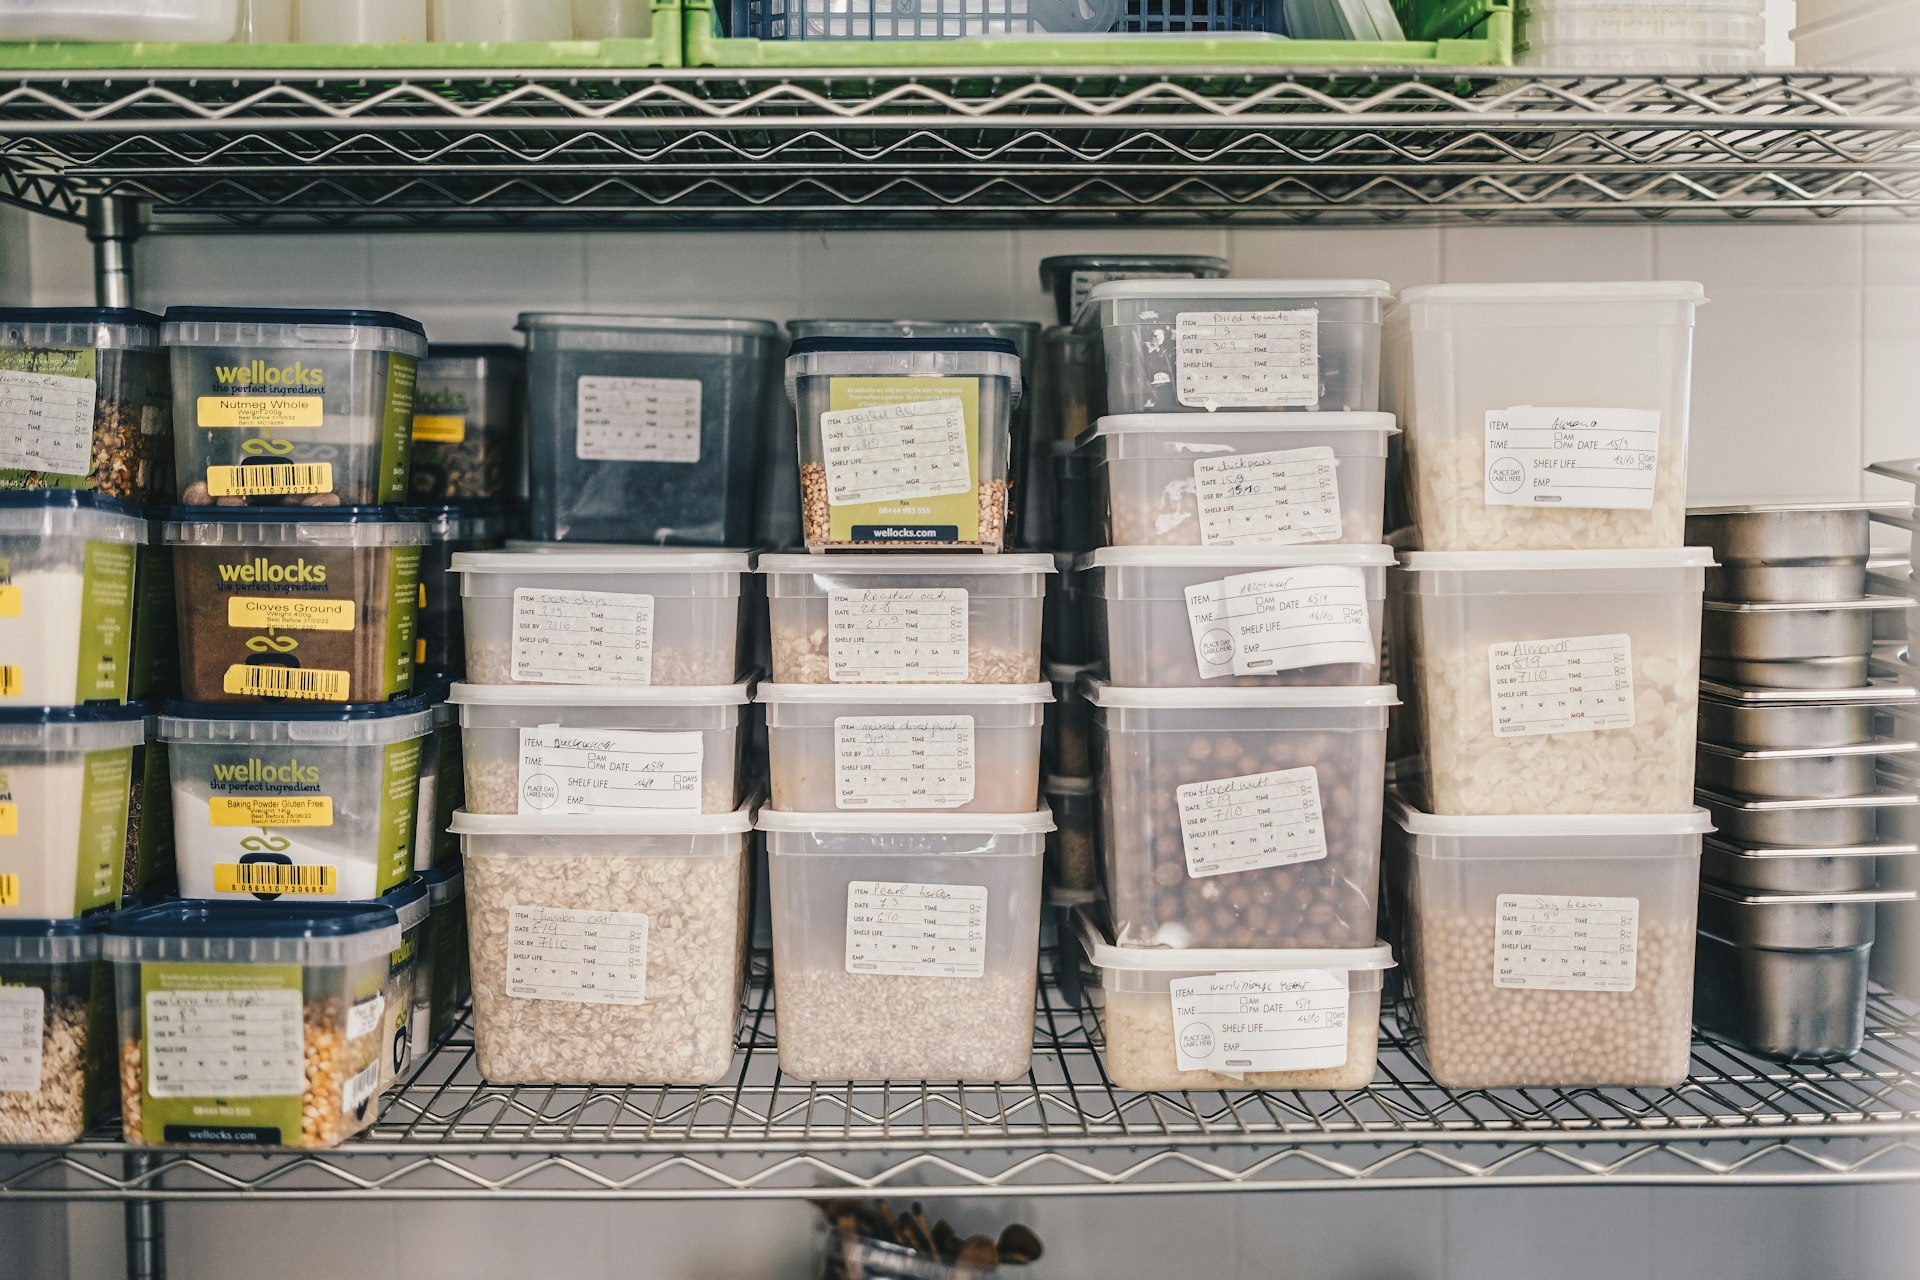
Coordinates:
(52, 941)
(86, 713)
(409, 903)
(310, 725)
(95, 726)
(299, 515)
(303, 713)
(68, 500)
(78, 315)
(472, 518)
(192, 931)
(445, 881)
(345, 318)
(810, 346)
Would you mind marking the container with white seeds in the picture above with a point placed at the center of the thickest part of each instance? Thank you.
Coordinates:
(56, 1029)
(919, 748)
(905, 946)
(606, 948)
(66, 596)
(1551, 951)
(65, 777)
(1557, 681)
(567, 750)
(1544, 416)
(608, 616)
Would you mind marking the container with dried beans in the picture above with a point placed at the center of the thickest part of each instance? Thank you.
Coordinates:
(85, 402)
(56, 1009)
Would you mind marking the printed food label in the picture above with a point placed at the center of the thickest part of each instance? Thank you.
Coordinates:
(1248, 358)
(1255, 624)
(903, 762)
(306, 684)
(439, 428)
(1548, 942)
(916, 930)
(1576, 684)
(261, 411)
(212, 1044)
(1236, 1023)
(603, 770)
(270, 479)
(23, 1015)
(46, 422)
(275, 878)
(271, 811)
(12, 602)
(363, 1019)
(1255, 820)
(888, 452)
(1273, 499)
(637, 420)
(908, 635)
(358, 1089)
(583, 957)
(291, 613)
(1545, 457)
(582, 637)
(9, 883)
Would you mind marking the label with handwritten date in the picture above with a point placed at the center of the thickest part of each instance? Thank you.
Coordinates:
(1247, 359)
(600, 770)
(1590, 458)
(582, 957)
(1281, 498)
(1240, 1023)
(1252, 821)
(909, 635)
(1567, 684)
(1552, 942)
(910, 930)
(1255, 624)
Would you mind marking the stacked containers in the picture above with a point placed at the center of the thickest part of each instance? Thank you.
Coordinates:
(1640, 33)
(1896, 951)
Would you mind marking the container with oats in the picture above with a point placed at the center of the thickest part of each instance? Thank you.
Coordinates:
(905, 946)
(56, 1030)
(84, 402)
(65, 777)
(67, 586)
(250, 1024)
(609, 948)
(466, 421)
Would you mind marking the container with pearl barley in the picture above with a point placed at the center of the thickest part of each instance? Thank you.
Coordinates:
(1551, 951)
(1556, 682)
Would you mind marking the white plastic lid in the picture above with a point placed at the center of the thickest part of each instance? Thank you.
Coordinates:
(1102, 694)
(600, 695)
(1234, 557)
(635, 823)
(1585, 291)
(990, 695)
(1560, 561)
(1237, 960)
(1039, 822)
(965, 566)
(1547, 825)
(624, 560)
(1122, 290)
(1165, 424)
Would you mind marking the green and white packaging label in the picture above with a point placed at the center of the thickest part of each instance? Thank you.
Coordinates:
(902, 458)
(223, 1054)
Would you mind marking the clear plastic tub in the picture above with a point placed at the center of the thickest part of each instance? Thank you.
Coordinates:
(294, 803)
(466, 424)
(1073, 856)
(906, 619)
(1070, 277)
(1241, 817)
(1204, 617)
(864, 987)
(401, 1036)
(559, 749)
(284, 407)
(905, 748)
(646, 428)
(440, 646)
(493, 20)
(1241, 479)
(1552, 951)
(1065, 744)
(448, 972)
(1173, 346)
(1240, 1019)
(209, 20)
(1491, 382)
(65, 775)
(66, 597)
(1557, 682)
(443, 785)
(611, 617)
(57, 1071)
(905, 442)
(608, 949)
(361, 21)
(1654, 53)
(84, 402)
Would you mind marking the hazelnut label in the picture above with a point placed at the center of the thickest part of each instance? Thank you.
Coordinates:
(212, 1044)
(582, 637)
(1281, 498)
(582, 957)
(909, 635)
(1252, 821)
(1590, 458)
(22, 1018)
(1234, 1023)
(1248, 359)
(46, 418)
(903, 762)
(1254, 624)
(574, 771)
(916, 930)
(1551, 942)
(636, 420)
(1572, 684)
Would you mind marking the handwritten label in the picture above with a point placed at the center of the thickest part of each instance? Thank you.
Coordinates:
(1272, 499)
(1575, 684)
(1255, 820)
(1237, 1023)
(582, 637)
(1248, 359)
(903, 762)
(215, 1044)
(1255, 624)
(908, 635)
(23, 1015)
(582, 957)
(363, 1019)
(46, 422)
(637, 420)
(574, 771)
(1596, 458)
(1548, 942)
(895, 452)
(916, 930)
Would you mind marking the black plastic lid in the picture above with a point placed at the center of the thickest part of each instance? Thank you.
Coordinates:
(808, 346)
(324, 713)
(294, 315)
(297, 515)
(69, 500)
(193, 917)
(443, 517)
(89, 713)
(475, 351)
(78, 315)
(95, 923)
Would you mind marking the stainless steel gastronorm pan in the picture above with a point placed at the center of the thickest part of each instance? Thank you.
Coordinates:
(1813, 824)
(1795, 772)
(1785, 551)
(1789, 632)
(1759, 869)
(1761, 719)
(1849, 672)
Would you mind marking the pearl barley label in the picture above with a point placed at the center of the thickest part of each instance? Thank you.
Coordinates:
(1235, 1023)
(894, 452)
(1592, 458)
(1571, 684)
(1252, 821)
(1549, 942)
(916, 930)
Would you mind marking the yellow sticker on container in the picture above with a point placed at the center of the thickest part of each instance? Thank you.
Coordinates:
(273, 877)
(9, 818)
(270, 479)
(9, 891)
(13, 681)
(271, 811)
(419, 653)
(287, 682)
(262, 411)
(437, 428)
(10, 602)
(291, 613)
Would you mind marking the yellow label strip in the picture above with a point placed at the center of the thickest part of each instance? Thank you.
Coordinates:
(439, 428)
(271, 811)
(261, 411)
(273, 877)
(287, 682)
(270, 479)
(290, 613)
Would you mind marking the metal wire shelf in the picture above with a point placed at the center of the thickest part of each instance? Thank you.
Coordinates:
(219, 150)
(447, 1134)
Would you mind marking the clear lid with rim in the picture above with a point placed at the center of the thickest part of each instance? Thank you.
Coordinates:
(464, 521)
(1236, 557)
(1035, 562)
(1290, 697)
(1232, 423)
(1039, 822)
(102, 328)
(446, 883)
(1019, 332)
(1581, 291)
(1557, 561)
(409, 903)
(962, 357)
(289, 328)
(235, 932)
(1196, 266)
(1375, 959)
(472, 359)
(1067, 672)
(626, 560)
(93, 727)
(49, 942)
(364, 724)
(601, 695)
(666, 325)
(1055, 785)
(1239, 287)
(639, 823)
(68, 513)
(990, 695)
(1546, 826)
(295, 527)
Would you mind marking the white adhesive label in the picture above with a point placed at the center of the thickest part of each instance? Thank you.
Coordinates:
(902, 762)
(1547, 942)
(358, 1089)
(582, 637)
(1252, 821)
(908, 636)
(917, 930)
(1236, 1023)
(1544, 457)
(363, 1019)
(582, 957)
(215, 1044)
(1248, 358)
(637, 420)
(573, 771)
(1281, 498)
(23, 1014)
(46, 422)
(896, 452)
(1575, 684)
(1255, 624)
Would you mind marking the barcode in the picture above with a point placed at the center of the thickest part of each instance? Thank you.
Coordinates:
(270, 478)
(272, 877)
(359, 1089)
(9, 891)
(12, 681)
(287, 682)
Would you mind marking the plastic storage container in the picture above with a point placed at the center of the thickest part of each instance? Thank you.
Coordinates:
(448, 972)
(361, 21)
(400, 1036)
(309, 606)
(283, 407)
(1166, 617)
(440, 646)
(646, 428)
(608, 949)
(1064, 627)
(1241, 479)
(65, 774)
(625, 616)
(1067, 364)
(905, 748)
(84, 402)
(154, 670)
(1545, 416)
(1557, 682)
(1173, 346)
(493, 20)
(56, 1070)
(149, 863)
(1070, 277)
(905, 442)
(210, 20)
(906, 619)
(905, 948)
(443, 785)
(1073, 854)
(1886, 34)
(466, 424)
(545, 749)
(1241, 817)
(1552, 951)
(66, 597)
